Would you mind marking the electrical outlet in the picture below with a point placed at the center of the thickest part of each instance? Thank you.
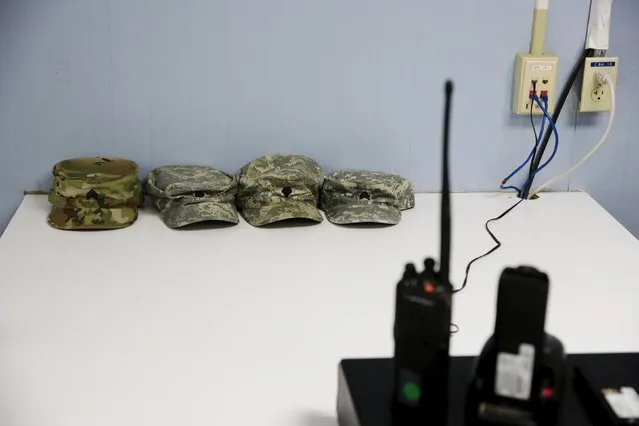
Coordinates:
(543, 70)
(594, 95)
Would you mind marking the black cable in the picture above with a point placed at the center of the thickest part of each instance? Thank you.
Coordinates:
(495, 247)
(532, 123)
(565, 92)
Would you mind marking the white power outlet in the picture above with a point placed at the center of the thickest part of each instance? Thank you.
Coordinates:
(594, 95)
(542, 70)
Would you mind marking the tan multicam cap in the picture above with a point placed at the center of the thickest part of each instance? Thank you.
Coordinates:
(358, 196)
(95, 193)
(279, 187)
(190, 194)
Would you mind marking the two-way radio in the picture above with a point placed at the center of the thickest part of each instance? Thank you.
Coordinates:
(422, 323)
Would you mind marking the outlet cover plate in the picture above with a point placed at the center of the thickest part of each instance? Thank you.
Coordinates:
(596, 97)
(528, 68)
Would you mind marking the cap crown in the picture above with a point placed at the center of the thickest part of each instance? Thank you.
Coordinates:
(190, 184)
(96, 182)
(360, 186)
(274, 178)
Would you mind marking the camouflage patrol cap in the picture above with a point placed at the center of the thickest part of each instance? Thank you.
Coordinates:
(191, 194)
(358, 196)
(280, 187)
(94, 193)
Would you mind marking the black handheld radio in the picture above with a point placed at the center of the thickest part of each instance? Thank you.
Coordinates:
(422, 324)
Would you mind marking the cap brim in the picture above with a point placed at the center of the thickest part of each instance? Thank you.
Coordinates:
(347, 214)
(75, 218)
(283, 210)
(177, 216)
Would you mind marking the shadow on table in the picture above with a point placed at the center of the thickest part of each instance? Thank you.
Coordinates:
(315, 418)
(365, 225)
(290, 223)
(209, 224)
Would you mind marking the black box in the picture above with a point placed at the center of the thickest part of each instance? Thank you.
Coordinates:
(365, 386)
(592, 381)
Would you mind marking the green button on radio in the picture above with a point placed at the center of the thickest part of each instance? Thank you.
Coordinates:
(411, 392)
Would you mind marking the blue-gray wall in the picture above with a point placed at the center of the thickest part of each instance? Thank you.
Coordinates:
(352, 83)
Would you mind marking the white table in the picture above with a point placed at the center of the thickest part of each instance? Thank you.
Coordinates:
(245, 326)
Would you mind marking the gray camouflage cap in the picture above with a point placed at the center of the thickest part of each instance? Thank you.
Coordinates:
(358, 196)
(94, 193)
(280, 187)
(191, 194)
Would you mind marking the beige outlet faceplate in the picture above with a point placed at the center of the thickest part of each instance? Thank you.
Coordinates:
(594, 95)
(543, 69)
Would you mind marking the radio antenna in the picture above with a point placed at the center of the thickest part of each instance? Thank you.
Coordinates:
(444, 250)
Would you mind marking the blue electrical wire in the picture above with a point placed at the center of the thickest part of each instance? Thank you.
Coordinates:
(544, 108)
(530, 156)
(511, 187)
(554, 151)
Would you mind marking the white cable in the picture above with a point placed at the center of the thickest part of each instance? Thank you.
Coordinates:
(605, 78)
